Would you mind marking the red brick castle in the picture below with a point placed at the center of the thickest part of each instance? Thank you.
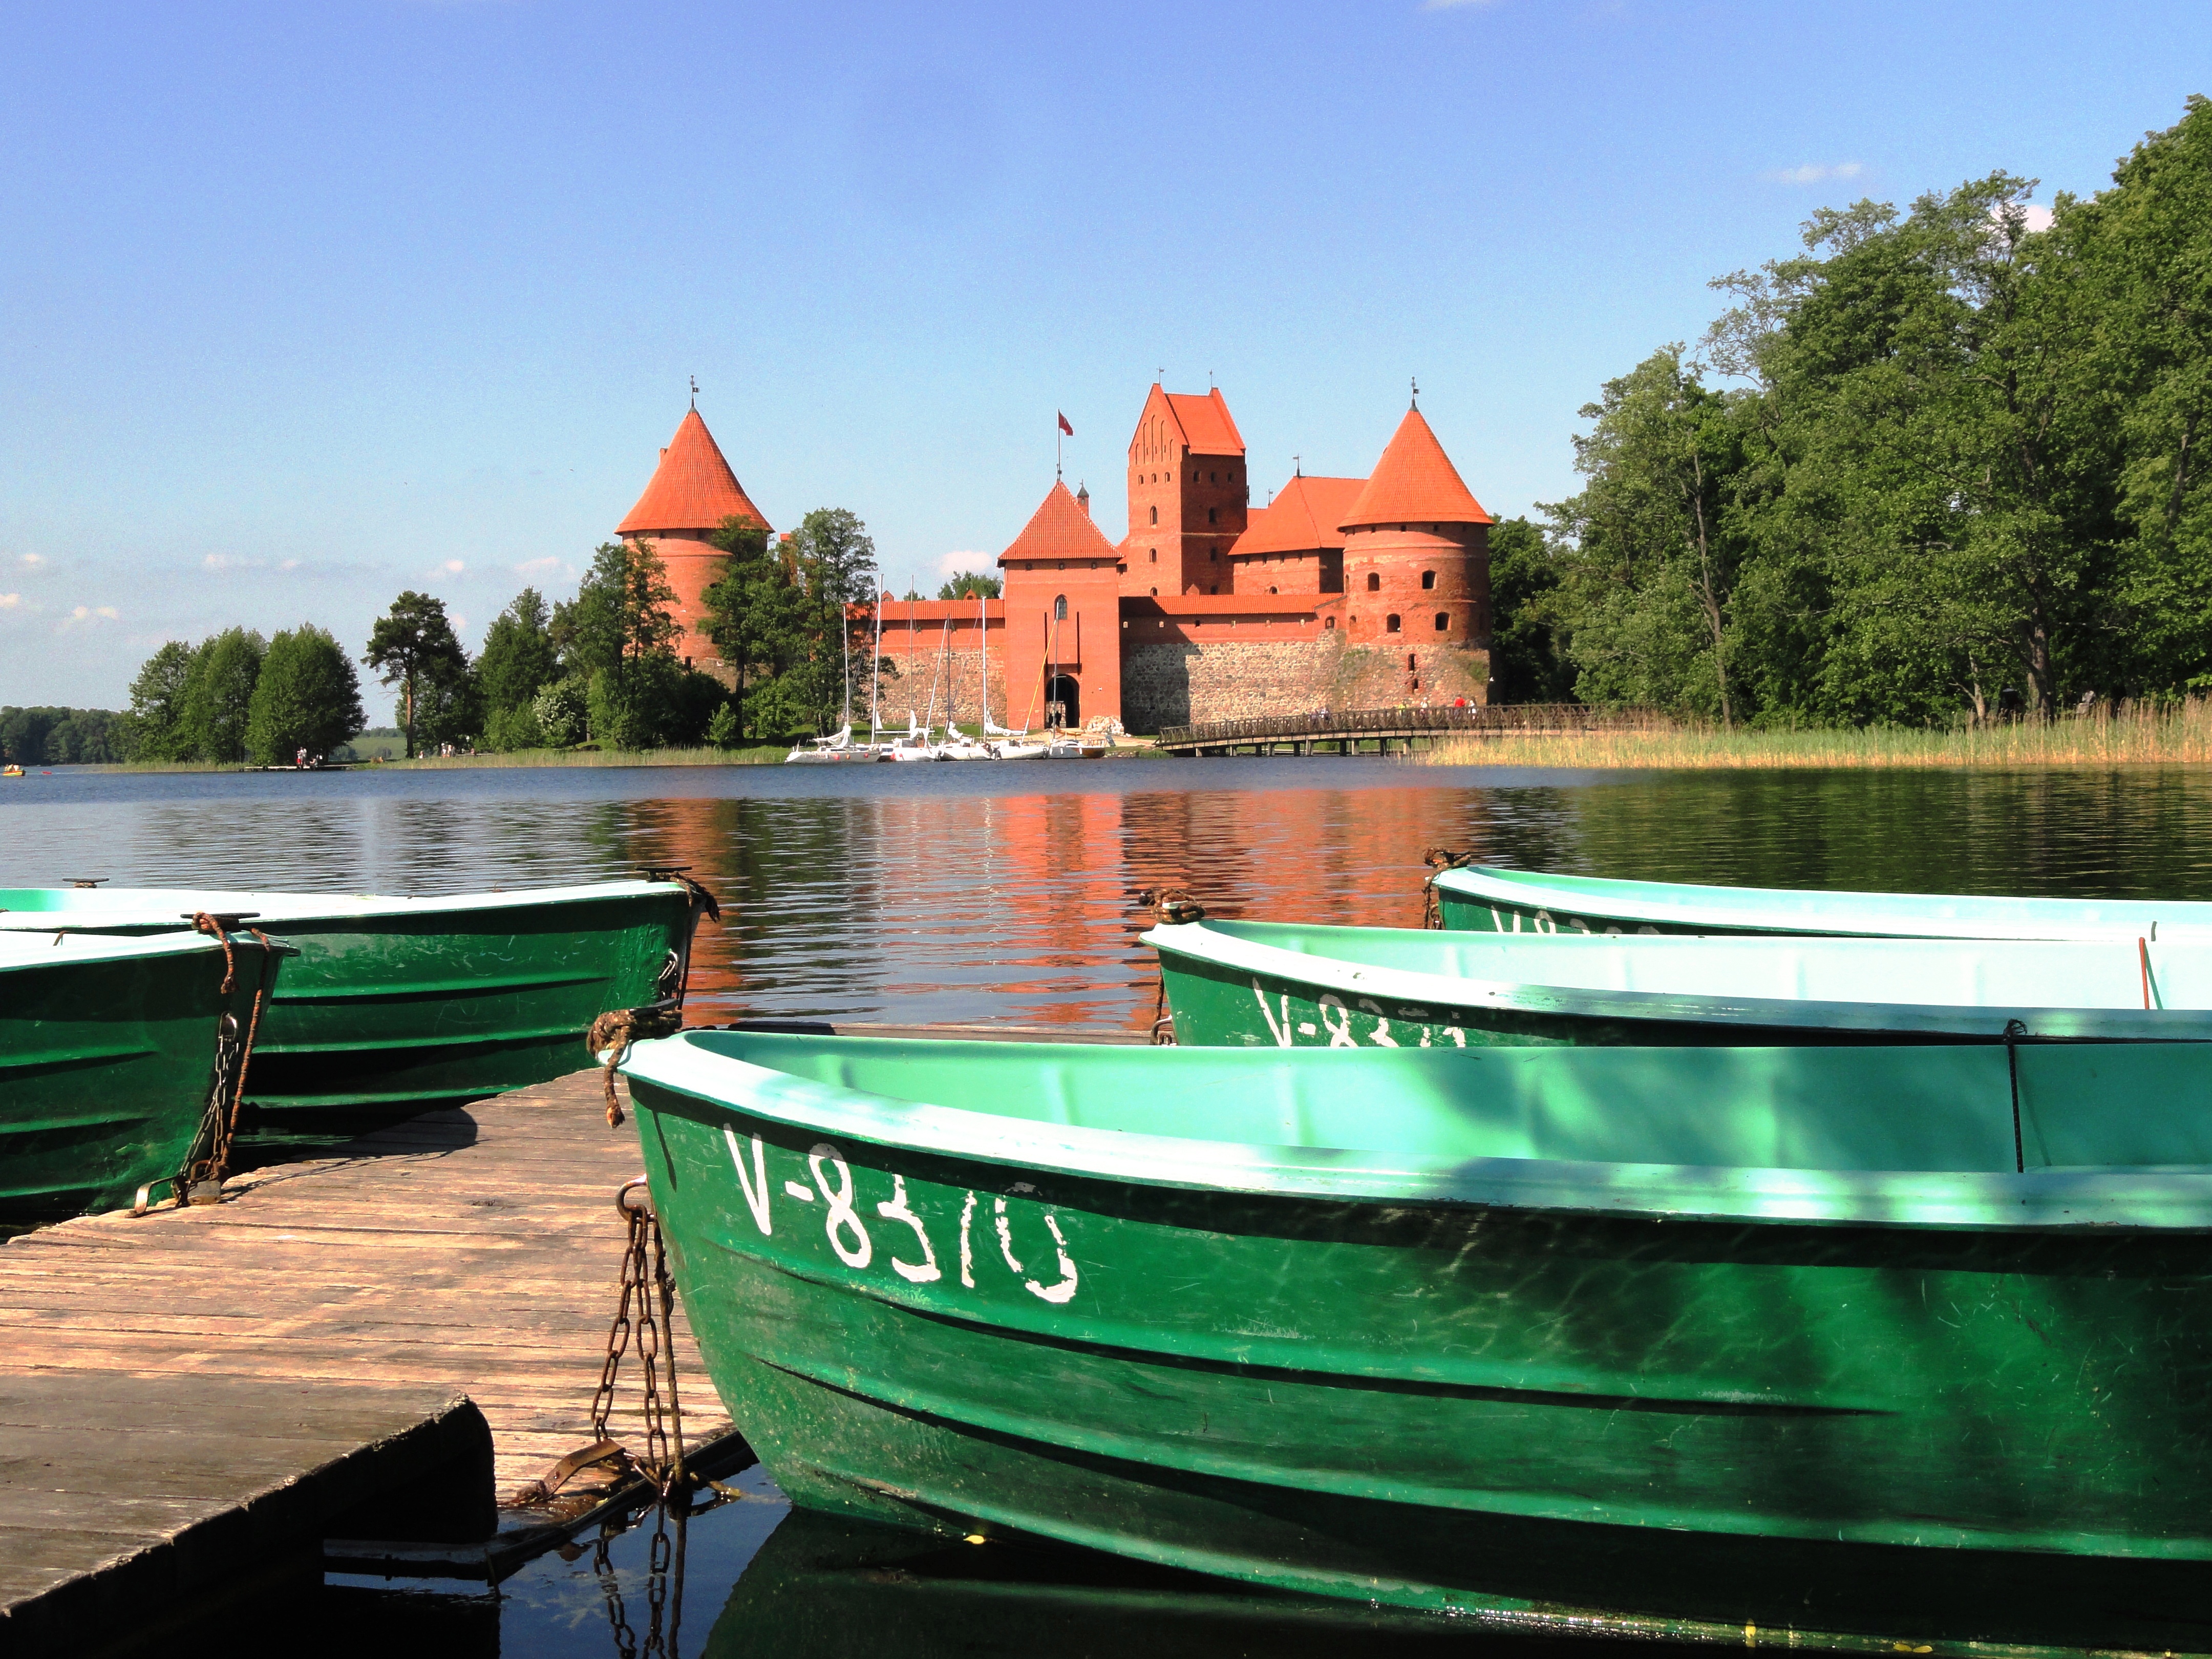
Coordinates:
(1341, 592)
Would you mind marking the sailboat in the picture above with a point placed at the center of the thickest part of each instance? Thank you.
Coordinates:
(838, 746)
(957, 745)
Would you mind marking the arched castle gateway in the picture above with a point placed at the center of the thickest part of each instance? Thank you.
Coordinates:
(1341, 593)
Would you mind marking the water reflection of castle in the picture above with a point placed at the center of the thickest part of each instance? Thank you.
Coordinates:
(1341, 593)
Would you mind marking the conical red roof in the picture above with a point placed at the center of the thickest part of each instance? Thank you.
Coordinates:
(693, 487)
(1059, 529)
(1414, 481)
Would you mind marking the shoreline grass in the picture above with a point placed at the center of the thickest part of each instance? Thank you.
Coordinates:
(2124, 735)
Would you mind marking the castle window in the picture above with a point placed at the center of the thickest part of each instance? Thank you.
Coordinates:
(1411, 662)
(1390, 624)
(1060, 609)
(1443, 621)
(1213, 515)
(1270, 590)
(1428, 579)
(1374, 582)
(1155, 558)
(1155, 594)
(1329, 622)
(1214, 555)
(1155, 515)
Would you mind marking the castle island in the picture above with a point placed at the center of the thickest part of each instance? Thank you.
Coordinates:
(1339, 592)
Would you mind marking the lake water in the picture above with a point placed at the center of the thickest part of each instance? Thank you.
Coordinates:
(1005, 893)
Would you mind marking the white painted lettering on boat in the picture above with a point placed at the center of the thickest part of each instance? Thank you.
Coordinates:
(1339, 1029)
(842, 1214)
(895, 1209)
(1381, 1037)
(967, 1246)
(1065, 1288)
(1281, 1033)
(756, 1190)
(1305, 1027)
(803, 1194)
(1542, 922)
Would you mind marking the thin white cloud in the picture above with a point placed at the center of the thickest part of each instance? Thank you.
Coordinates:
(1457, 5)
(532, 567)
(10, 601)
(287, 564)
(32, 561)
(1814, 172)
(951, 564)
(228, 562)
(451, 567)
(89, 613)
(2033, 216)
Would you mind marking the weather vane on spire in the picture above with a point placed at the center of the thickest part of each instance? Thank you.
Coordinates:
(695, 392)
(1298, 465)
(1417, 390)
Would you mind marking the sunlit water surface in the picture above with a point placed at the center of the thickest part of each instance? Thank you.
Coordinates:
(990, 892)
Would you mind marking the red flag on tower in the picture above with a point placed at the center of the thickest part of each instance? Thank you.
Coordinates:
(1064, 426)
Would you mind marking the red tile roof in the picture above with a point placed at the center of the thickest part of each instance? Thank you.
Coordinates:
(1303, 516)
(693, 487)
(1208, 426)
(1414, 481)
(1059, 529)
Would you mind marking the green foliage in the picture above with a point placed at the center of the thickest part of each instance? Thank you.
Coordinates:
(967, 583)
(1526, 662)
(562, 713)
(519, 658)
(780, 616)
(506, 730)
(63, 737)
(722, 729)
(307, 697)
(218, 695)
(1961, 456)
(414, 649)
(157, 705)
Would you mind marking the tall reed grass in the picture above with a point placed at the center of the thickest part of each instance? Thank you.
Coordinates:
(2123, 734)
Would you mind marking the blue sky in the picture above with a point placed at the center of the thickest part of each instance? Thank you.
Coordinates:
(301, 305)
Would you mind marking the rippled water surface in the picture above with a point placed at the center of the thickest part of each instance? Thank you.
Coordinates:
(989, 892)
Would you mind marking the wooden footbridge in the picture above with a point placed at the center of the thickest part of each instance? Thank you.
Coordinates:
(1388, 730)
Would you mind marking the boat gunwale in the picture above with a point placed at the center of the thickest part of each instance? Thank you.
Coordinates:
(2158, 1200)
(1797, 910)
(84, 948)
(1445, 991)
(276, 908)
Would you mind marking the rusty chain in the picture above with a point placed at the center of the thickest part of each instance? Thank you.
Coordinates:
(645, 1309)
(199, 1180)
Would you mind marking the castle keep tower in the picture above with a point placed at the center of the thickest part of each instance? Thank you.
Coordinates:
(692, 491)
(1188, 492)
(1063, 629)
(1417, 550)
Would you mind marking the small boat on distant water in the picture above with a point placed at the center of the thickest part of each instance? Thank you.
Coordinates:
(1484, 899)
(111, 1052)
(400, 1005)
(1739, 1344)
(1283, 985)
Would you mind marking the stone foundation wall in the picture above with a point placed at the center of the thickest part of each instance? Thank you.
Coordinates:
(1180, 684)
(898, 692)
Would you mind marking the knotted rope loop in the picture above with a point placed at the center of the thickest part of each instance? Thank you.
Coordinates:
(675, 977)
(213, 927)
(1439, 859)
(1171, 905)
(612, 1033)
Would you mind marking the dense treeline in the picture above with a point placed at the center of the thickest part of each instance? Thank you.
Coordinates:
(59, 737)
(1937, 463)
(236, 697)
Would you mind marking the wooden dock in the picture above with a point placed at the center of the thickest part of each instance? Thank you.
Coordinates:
(470, 1253)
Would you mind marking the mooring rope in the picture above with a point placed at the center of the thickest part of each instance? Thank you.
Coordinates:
(1439, 859)
(612, 1033)
(1172, 907)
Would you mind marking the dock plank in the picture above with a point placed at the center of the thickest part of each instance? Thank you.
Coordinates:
(477, 1252)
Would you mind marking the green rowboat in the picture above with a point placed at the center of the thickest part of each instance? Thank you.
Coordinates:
(1730, 1342)
(109, 1052)
(401, 1005)
(1482, 899)
(1268, 985)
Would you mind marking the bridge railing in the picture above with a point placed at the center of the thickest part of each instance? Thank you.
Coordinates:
(1325, 726)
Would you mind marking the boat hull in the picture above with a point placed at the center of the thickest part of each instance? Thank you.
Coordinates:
(107, 1063)
(412, 1007)
(1482, 900)
(1262, 985)
(1508, 1413)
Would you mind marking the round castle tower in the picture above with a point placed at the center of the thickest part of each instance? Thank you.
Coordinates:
(1417, 552)
(692, 491)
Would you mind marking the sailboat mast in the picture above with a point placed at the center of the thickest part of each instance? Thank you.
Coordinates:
(875, 679)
